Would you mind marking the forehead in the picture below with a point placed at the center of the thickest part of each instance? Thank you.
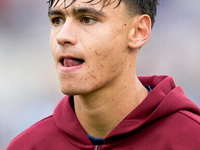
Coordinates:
(111, 10)
(78, 3)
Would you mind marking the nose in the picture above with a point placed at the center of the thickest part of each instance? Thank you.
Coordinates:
(67, 34)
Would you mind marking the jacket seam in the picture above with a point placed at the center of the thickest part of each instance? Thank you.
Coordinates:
(188, 116)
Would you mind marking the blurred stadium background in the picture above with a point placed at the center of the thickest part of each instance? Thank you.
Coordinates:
(29, 87)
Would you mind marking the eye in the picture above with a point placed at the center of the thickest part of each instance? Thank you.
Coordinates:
(56, 21)
(88, 20)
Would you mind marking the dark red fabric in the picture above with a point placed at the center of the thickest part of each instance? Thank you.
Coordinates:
(165, 120)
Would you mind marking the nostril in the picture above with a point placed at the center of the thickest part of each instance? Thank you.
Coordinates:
(67, 42)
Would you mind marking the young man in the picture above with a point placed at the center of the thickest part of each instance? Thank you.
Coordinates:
(95, 46)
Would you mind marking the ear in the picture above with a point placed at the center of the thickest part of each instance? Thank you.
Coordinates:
(140, 31)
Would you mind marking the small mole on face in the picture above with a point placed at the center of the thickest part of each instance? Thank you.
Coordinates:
(97, 53)
(124, 24)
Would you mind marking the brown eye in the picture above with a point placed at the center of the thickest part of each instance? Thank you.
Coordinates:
(88, 20)
(57, 21)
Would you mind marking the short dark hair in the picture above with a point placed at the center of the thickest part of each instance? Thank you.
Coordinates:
(148, 7)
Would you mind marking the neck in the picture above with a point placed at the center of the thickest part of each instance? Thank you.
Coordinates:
(101, 111)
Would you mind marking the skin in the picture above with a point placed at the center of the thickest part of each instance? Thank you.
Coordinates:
(105, 87)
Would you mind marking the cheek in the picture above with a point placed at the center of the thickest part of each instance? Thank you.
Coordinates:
(108, 50)
(107, 61)
(53, 45)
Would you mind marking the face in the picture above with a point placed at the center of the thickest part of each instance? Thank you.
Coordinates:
(89, 45)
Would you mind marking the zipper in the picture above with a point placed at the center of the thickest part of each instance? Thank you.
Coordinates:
(97, 147)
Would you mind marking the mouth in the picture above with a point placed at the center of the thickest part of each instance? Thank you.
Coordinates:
(71, 62)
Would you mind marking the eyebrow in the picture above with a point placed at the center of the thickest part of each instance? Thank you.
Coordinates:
(55, 12)
(76, 11)
(89, 11)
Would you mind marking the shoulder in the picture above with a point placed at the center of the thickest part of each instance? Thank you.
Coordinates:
(43, 126)
(191, 116)
(38, 133)
(182, 122)
(181, 129)
(187, 124)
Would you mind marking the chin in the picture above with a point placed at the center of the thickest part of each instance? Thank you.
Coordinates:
(77, 90)
(68, 91)
(71, 92)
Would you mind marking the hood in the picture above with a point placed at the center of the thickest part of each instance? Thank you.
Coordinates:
(165, 98)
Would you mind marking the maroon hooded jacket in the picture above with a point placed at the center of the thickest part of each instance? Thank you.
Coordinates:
(165, 120)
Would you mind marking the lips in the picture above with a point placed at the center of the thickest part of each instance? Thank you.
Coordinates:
(71, 62)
